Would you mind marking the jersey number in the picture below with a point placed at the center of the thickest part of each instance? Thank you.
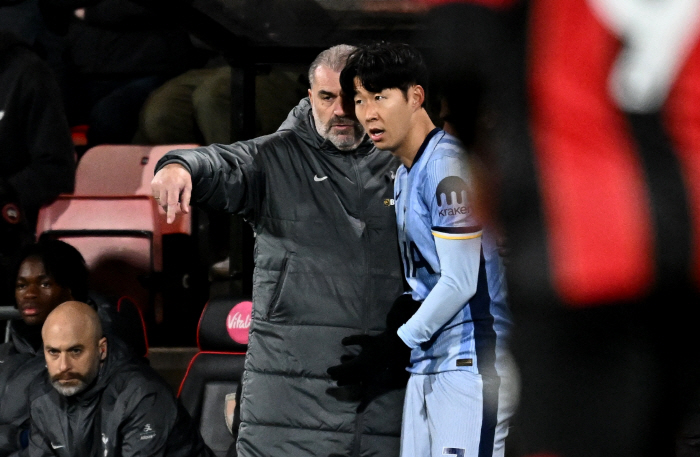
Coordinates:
(413, 260)
(459, 452)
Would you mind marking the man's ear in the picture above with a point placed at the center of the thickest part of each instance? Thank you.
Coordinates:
(102, 345)
(311, 96)
(416, 96)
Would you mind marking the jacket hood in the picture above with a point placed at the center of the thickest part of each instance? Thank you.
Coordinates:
(301, 121)
(118, 356)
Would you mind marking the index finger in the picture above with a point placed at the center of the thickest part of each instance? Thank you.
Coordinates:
(171, 212)
(173, 205)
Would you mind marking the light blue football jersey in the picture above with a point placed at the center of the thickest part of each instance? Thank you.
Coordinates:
(432, 200)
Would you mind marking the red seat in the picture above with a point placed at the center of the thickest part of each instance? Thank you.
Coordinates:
(113, 220)
(211, 387)
(119, 237)
(126, 170)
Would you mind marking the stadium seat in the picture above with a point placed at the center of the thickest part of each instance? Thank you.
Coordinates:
(119, 237)
(208, 389)
(132, 327)
(112, 170)
(169, 284)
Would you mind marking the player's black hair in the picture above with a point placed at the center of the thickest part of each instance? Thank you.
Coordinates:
(62, 262)
(384, 65)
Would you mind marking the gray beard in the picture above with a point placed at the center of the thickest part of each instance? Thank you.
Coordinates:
(347, 143)
(69, 391)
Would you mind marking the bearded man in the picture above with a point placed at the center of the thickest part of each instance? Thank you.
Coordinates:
(319, 197)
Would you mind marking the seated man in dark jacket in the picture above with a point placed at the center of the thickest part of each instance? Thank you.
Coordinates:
(98, 400)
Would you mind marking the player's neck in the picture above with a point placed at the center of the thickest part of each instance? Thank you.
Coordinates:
(421, 126)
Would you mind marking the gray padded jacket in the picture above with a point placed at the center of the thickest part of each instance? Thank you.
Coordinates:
(326, 266)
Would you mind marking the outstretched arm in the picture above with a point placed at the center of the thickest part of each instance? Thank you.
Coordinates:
(222, 177)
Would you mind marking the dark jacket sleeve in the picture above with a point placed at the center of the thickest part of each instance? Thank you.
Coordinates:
(52, 167)
(38, 444)
(224, 177)
(14, 404)
(9, 439)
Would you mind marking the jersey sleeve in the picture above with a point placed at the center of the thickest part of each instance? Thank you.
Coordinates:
(448, 192)
(459, 269)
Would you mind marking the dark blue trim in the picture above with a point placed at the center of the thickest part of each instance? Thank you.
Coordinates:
(422, 148)
(472, 229)
(489, 418)
(485, 347)
(484, 333)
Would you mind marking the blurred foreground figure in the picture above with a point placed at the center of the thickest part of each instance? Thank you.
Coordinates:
(587, 114)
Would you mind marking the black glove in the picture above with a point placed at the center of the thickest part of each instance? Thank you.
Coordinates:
(378, 353)
(383, 358)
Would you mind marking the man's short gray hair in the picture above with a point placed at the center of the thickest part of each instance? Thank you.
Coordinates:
(333, 58)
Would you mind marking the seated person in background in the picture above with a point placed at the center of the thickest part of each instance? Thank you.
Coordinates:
(37, 159)
(119, 52)
(195, 107)
(49, 273)
(97, 400)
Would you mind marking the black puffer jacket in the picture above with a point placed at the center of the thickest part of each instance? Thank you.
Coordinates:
(128, 411)
(326, 266)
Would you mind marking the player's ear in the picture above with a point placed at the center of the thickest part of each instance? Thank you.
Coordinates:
(416, 96)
